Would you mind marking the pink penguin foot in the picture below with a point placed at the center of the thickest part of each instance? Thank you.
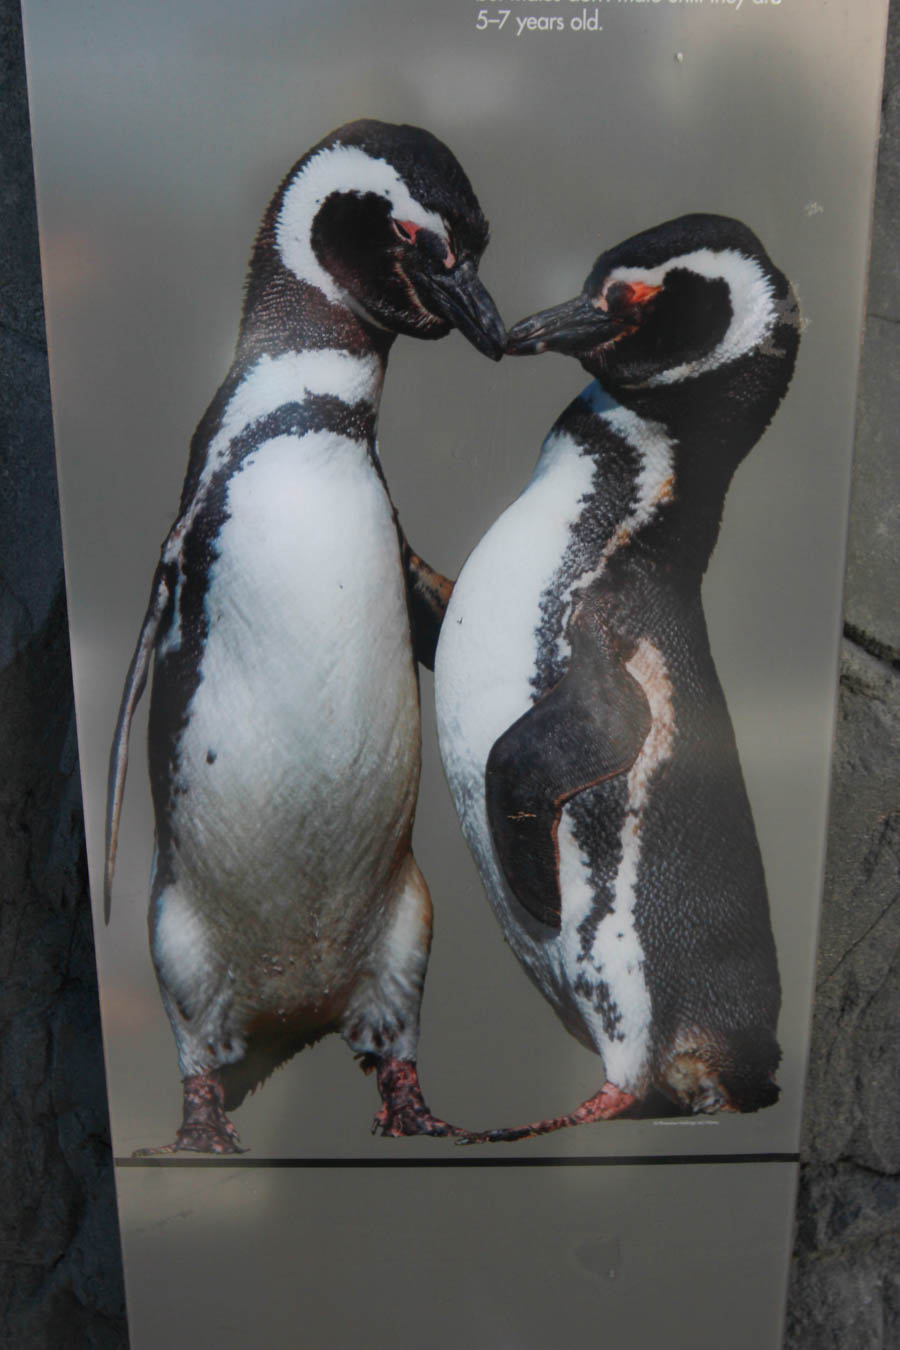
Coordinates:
(404, 1110)
(205, 1128)
(606, 1104)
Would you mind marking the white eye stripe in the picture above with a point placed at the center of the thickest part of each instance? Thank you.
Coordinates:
(753, 304)
(342, 168)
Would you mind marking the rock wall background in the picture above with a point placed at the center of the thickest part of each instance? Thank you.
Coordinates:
(845, 1279)
(60, 1269)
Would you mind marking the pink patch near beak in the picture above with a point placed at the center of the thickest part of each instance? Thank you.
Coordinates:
(640, 292)
(407, 230)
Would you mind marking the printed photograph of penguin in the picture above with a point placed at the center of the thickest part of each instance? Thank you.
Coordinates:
(584, 731)
(286, 615)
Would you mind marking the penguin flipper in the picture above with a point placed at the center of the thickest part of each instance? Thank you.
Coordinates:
(586, 729)
(428, 594)
(135, 682)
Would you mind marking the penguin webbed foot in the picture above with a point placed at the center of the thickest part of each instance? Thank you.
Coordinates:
(404, 1110)
(606, 1104)
(205, 1128)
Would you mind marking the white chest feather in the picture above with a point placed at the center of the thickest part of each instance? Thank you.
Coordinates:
(486, 654)
(653, 486)
(486, 658)
(613, 998)
(268, 385)
(307, 703)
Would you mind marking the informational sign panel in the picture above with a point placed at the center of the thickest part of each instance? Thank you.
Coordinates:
(634, 688)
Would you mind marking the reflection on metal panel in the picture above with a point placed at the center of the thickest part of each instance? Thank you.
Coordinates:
(284, 769)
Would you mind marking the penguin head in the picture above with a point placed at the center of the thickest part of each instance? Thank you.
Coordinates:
(383, 219)
(692, 296)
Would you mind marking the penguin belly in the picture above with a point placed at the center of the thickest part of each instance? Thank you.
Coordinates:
(293, 779)
(643, 956)
(486, 664)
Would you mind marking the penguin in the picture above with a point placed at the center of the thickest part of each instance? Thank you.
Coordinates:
(286, 615)
(583, 728)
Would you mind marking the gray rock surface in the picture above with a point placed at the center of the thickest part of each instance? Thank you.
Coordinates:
(845, 1281)
(60, 1270)
(853, 1101)
(845, 1277)
(60, 1267)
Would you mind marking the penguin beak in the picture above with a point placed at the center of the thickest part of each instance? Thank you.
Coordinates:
(574, 327)
(459, 297)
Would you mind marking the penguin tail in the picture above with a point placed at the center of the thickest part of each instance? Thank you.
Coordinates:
(725, 1070)
(748, 1074)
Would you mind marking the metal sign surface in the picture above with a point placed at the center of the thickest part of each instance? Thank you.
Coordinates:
(159, 140)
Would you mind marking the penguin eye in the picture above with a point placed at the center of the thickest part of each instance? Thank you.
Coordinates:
(625, 295)
(615, 296)
(405, 230)
(640, 292)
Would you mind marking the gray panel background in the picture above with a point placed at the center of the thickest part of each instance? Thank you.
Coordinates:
(398, 1262)
(159, 139)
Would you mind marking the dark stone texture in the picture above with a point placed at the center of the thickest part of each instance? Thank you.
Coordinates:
(853, 1089)
(846, 1296)
(845, 1276)
(30, 562)
(60, 1266)
(60, 1270)
(845, 1279)
(21, 301)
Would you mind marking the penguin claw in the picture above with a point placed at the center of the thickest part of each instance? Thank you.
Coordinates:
(502, 1135)
(404, 1110)
(205, 1128)
(397, 1124)
(606, 1104)
(196, 1141)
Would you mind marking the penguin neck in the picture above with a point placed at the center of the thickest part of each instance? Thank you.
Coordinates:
(293, 315)
(671, 482)
(713, 420)
(720, 414)
(287, 321)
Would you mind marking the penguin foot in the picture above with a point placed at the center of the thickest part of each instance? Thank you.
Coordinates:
(205, 1128)
(606, 1104)
(404, 1110)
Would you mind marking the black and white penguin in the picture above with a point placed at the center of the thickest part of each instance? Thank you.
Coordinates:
(285, 617)
(583, 728)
